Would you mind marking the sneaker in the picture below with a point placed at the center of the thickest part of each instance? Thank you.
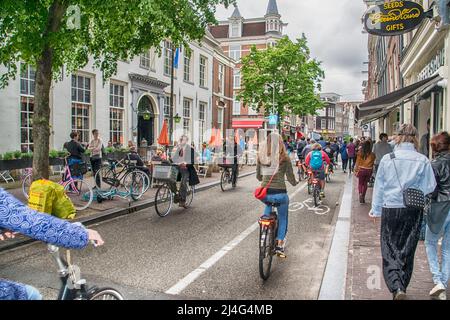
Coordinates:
(437, 290)
(182, 204)
(322, 195)
(279, 251)
(442, 296)
(399, 295)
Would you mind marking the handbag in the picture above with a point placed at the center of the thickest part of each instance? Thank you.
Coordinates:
(437, 215)
(412, 198)
(261, 192)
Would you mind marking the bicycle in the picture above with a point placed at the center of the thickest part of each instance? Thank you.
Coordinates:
(314, 187)
(227, 177)
(302, 173)
(78, 190)
(135, 181)
(329, 172)
(73, 287)
(168, 193)
(268, 230)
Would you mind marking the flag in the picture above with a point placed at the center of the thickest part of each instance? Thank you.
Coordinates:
(177, 57)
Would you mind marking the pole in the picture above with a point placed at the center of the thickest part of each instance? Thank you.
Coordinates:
(172, 80)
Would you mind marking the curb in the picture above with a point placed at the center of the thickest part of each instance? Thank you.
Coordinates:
(115, 213)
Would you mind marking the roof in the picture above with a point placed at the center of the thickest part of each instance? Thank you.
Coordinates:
(236, 14)
(254, 29)
(219, 32)
(272, 8)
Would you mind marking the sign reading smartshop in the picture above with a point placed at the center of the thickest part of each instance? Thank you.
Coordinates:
(393, 18)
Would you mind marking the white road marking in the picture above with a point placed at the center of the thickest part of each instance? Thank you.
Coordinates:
(181, 285)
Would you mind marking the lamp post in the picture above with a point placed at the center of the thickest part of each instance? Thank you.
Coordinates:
(273, 86)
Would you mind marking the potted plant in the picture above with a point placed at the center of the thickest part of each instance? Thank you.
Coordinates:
(13, 161)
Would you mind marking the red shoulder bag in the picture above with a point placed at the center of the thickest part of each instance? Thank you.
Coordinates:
(261, 192)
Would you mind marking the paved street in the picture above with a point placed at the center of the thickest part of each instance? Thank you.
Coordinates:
(146, 256)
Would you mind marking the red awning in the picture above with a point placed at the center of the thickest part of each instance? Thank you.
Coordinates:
(248, 124)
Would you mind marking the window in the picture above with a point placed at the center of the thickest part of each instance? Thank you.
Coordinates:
(202, 121)
(187, 104)
(167, 108)
(27, 86)
(220, 121)
(330, 124)
(148, 59)
(116, 113)
(81, 105)
(221, 78)
(187, 65)
(323, 124)
(236, 107)
(168, 61)
(235, 52)
(203, 71)
(331, 112)
(235, 30)
(237, 79)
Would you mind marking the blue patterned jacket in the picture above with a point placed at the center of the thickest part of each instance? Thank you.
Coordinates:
(17, 217)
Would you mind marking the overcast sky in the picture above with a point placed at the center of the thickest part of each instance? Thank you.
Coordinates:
(333, 29)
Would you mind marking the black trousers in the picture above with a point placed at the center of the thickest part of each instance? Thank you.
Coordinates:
(235, 170)
(400, 232)
(96, 164)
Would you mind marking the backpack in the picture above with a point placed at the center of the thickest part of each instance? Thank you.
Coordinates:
(316, 162)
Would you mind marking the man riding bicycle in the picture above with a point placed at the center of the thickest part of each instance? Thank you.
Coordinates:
(331, 154)
(316, 160)
(232, 150)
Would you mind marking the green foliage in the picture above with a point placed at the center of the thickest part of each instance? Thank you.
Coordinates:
(109, 150)
(87, 152)
(124, 150)
(17, 154)
(8, 156)
(62, 154)
(27, 155)
(287, 65)
(53, 154)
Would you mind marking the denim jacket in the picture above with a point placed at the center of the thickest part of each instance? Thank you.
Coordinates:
(414, 171)
(17, 217)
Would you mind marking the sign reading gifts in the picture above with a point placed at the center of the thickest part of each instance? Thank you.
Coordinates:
(393, 18)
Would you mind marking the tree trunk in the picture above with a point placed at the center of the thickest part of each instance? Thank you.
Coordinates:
(41, 116)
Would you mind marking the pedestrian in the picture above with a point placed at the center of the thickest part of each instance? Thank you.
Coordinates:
(75, 159)
(344, 156)
(400, 225)
(335, 148)
(96, 148)
(351, 152)
(364, 169)
(438, 220)
(322, 142)
(17, 217)
(425, 141)
(381, 148)
(272, 168)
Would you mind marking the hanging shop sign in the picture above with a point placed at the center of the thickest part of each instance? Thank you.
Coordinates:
(393, 18)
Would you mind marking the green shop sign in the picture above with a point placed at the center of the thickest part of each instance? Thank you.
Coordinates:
(393, 18)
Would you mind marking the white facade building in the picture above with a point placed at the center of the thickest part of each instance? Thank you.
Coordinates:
(132, 105)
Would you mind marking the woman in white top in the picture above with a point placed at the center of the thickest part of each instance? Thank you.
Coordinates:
(96, 146)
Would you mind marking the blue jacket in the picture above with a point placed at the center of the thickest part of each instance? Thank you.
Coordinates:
(414, 171)
(343, 151)
(17, 217)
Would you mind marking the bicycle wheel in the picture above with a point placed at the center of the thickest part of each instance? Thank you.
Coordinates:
(163, 200)
(106, 294)
(226, 180)
(309, 188)
(26, 184)
(106, 178)
(266, 250)
(136, 184)
(316, 196)
(190, 195)
(80, 193)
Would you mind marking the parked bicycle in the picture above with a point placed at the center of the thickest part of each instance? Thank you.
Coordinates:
(73, 287)
(168, 192)
(268, 229)
(78, 190)
(121, 174)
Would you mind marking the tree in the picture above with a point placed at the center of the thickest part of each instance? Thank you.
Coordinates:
(286, 66)
(53, 35)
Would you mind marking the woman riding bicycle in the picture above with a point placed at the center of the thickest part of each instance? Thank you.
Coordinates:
(316, 160)
(274, 160)
(16, 217)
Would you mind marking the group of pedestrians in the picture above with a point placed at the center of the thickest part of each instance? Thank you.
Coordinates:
(405, 179)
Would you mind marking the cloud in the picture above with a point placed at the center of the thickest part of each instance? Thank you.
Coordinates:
(333, 29)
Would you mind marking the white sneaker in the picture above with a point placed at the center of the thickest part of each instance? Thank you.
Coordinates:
(437, 290)
(442, 296)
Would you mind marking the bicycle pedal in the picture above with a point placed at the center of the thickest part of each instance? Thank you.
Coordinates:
(281, 255)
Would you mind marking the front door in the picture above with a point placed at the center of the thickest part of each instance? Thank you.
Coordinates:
(145, 130)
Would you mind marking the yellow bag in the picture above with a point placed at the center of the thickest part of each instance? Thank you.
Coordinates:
(62, 205)
(42, 195)
(49, 197)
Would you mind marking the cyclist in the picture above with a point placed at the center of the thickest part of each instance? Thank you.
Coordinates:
(16, 217)
(316, 160)
(232, 150)
(278, 166)
(184, 157)
(331, 154)
(300, 146)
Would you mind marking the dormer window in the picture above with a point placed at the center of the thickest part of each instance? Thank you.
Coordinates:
(236, 29)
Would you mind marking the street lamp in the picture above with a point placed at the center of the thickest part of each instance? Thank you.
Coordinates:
(273, 86)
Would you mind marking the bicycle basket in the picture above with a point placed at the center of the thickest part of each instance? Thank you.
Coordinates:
(165, 173)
